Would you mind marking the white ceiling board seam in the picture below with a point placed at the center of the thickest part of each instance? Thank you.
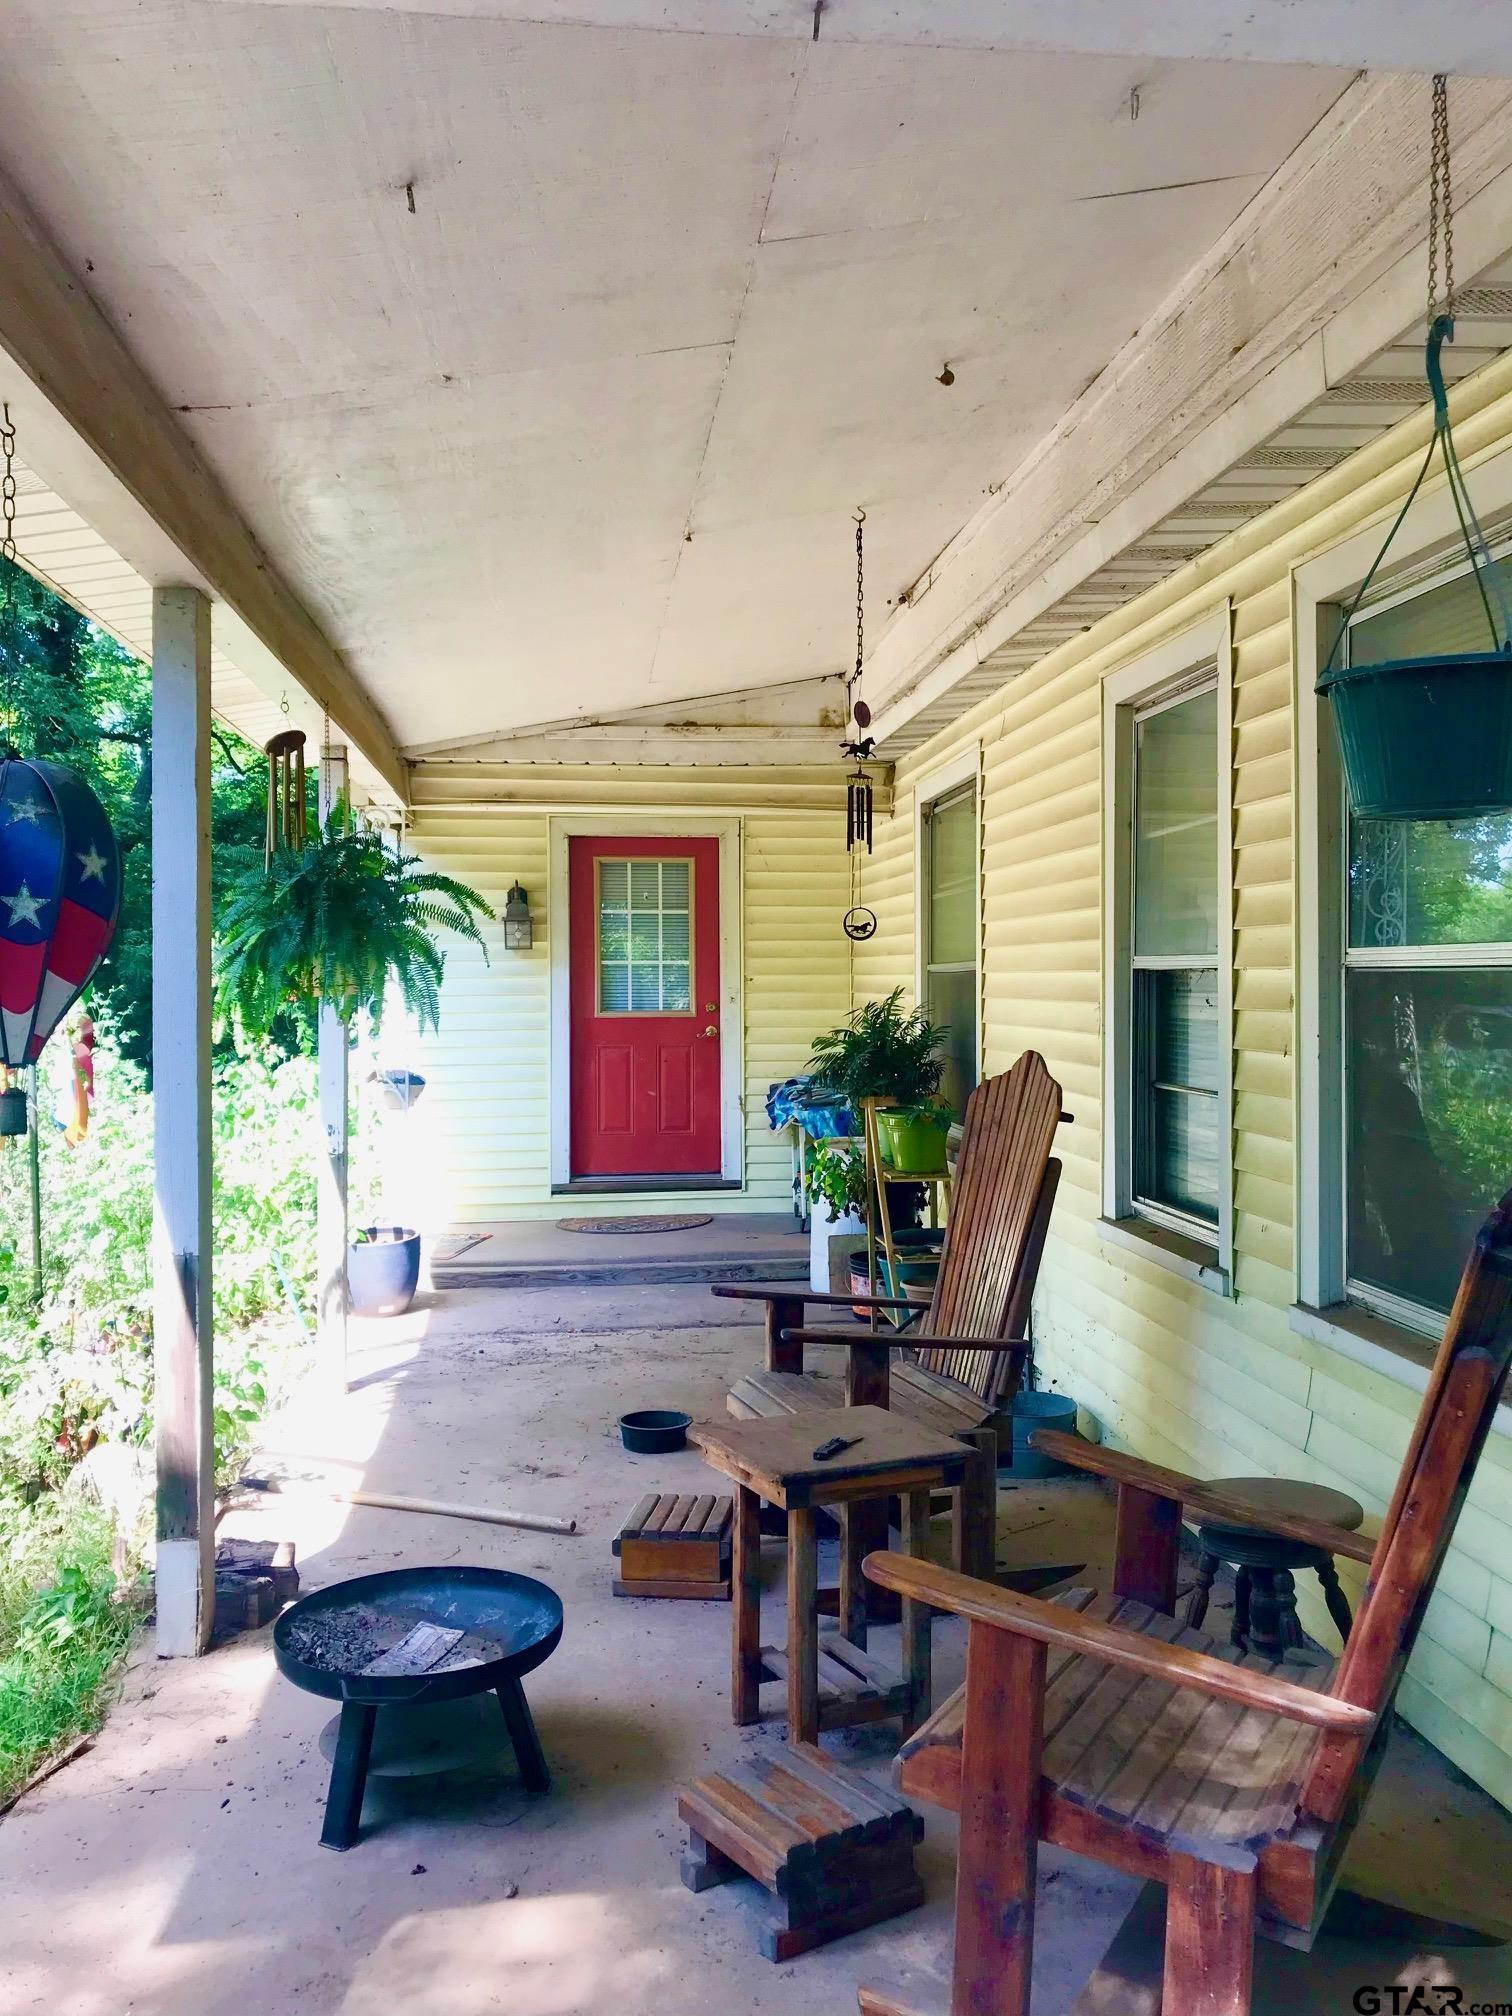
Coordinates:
(689, 530)
(1355, 332)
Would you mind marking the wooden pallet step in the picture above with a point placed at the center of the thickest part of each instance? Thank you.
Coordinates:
(833, 1851)
(676, 1544)
(875, 1673)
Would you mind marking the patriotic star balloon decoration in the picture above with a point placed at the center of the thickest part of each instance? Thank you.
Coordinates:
(60, 895)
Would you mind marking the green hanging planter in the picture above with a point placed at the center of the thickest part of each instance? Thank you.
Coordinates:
(1426, 738)
(1430, 738)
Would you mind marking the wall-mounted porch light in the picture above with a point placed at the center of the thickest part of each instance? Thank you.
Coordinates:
(519, 930)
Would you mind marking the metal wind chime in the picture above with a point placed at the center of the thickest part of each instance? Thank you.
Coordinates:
(288, 823)
(860, 922)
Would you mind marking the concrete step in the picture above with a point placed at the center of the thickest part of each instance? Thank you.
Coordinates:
(684, 1269)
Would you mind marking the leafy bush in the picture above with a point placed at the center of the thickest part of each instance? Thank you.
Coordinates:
(76, 1367)
(63, 1628)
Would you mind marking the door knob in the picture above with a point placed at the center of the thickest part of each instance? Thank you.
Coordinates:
(711, 1030)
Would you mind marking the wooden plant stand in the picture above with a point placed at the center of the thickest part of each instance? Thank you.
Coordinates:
(834, 1851)
(676, 1546)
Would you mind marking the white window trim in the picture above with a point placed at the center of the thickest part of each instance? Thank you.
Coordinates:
(964, 768)
(1197, 655)
(728, 832)
(1321, 588)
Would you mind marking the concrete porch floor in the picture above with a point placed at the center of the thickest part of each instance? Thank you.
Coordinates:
(174, 1870)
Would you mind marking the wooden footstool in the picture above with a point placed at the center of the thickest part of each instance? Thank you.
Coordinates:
(672, 1546)
(834, 1851)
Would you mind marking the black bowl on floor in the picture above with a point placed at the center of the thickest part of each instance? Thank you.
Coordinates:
(653, 1430)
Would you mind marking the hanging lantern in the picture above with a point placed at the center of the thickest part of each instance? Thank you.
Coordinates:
(60, 895)
(519, 927)
(1431, 738)
(13, 1114)
(288, 824)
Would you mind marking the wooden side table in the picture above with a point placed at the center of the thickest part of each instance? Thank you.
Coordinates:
(1265, 1590)
(832, 1679)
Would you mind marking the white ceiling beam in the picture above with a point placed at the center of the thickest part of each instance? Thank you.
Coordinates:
(95, 428)
(1468, 37)
(613, 744)
(796, 711)
(1317, 275)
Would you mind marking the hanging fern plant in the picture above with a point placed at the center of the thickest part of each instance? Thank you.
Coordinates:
(338, 919)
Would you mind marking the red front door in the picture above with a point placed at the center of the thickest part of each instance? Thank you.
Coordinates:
(644, 924)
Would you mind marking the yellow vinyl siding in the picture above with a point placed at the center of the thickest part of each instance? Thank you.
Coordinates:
(478, 1144)
(1163, 1366)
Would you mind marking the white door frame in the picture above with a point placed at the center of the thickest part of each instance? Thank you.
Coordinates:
(732, 1017)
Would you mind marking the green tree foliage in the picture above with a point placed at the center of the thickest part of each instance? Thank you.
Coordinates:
(80, 698)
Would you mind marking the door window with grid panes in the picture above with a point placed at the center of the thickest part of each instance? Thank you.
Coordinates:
(1427, 1011)
(1175, 1046)
(645, 937)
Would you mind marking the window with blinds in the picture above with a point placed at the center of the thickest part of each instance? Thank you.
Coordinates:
(1175, 1055)
(645, 937)
(950, 935)
(1427, 1009)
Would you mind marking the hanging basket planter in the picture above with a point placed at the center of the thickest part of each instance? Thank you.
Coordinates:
(1425, 738)
(1430, 738)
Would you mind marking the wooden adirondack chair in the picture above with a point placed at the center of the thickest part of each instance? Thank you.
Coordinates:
(959, 1372)
(1098, 1723)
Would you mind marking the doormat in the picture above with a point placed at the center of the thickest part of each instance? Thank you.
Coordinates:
(454, 1244)
(684, 1224)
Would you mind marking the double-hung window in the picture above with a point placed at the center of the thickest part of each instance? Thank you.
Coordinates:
(1426, 1010)
(1176, 1083)
(1167, 960)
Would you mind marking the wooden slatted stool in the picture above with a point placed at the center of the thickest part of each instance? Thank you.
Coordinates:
(835, 1852)
(676, 1546)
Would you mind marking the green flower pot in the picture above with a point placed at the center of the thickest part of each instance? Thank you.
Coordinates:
(913, 1147)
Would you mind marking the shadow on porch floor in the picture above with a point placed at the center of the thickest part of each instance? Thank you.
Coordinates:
(174, 1871)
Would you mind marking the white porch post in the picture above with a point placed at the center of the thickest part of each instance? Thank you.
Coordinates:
(181, 1259)
(331, 1162)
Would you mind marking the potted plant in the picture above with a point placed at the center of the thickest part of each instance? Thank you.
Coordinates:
(886, 1052)
(337, 920)
(837, 1201)
(1430, 737)
(383, 1269)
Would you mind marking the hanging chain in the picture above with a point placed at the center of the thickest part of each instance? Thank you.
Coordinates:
(860, 595)
(8, 557)
(1440, 205)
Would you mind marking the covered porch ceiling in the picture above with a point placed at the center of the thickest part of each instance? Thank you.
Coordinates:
(541, 362)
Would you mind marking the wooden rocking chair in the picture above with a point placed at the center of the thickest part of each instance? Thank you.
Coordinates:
(957, 1374)
(1098, 1723)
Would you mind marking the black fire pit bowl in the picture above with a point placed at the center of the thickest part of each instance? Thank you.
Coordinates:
(651, 1431)
(510, 1624)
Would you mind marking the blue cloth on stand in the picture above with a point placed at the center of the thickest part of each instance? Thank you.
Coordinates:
(824, 1116)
